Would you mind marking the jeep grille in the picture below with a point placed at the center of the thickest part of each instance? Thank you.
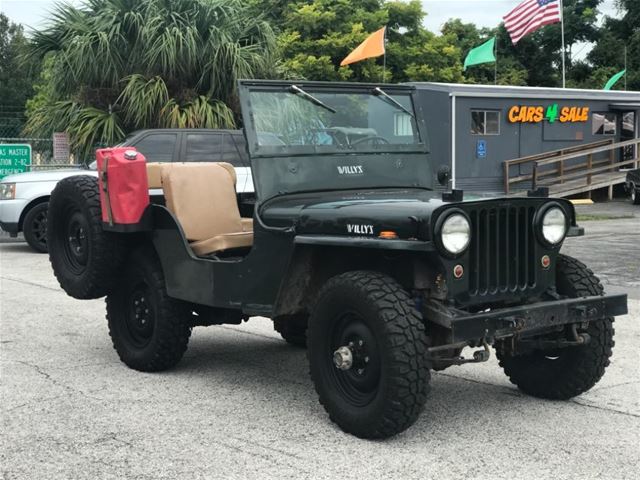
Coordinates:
(502, 252)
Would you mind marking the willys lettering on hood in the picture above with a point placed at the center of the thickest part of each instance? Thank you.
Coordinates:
(360, 229)
(351, 170)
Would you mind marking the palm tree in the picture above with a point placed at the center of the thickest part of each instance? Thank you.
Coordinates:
(120, 65)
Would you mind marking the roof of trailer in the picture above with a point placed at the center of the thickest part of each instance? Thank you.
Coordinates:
(322, 84)
(500, 91)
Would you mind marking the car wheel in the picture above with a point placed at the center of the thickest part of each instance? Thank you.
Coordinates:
(85, 258)
(34, 227)
(367, 350)
(563, 373)
(150, 330)
(635, 196)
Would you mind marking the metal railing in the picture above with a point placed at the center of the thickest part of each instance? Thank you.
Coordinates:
(559, 167)
(587, 171)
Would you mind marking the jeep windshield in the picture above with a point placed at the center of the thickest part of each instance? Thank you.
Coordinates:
(302, 119)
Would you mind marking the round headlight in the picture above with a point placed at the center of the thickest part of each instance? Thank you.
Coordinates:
(554, 225)
(455, 233)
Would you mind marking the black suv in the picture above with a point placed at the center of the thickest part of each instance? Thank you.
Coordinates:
(352, 252)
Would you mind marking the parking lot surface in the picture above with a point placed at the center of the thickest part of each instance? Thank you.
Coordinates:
(241, 405)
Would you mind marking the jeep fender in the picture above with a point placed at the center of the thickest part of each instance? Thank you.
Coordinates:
(317, 258)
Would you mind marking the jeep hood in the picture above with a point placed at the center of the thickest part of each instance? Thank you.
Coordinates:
(362, 213)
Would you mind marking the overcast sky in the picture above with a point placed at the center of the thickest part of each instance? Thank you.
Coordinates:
(484, 13)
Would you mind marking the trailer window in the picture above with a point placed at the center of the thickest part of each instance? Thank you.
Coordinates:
(485, 122)
(604, 123)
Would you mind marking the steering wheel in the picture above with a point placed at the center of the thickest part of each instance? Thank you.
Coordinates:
(374, 139)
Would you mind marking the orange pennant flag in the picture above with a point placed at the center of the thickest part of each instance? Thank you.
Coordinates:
(372, 47)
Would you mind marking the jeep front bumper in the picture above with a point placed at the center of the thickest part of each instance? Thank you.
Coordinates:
(524, 320)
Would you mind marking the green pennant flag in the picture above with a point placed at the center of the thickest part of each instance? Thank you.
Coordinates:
(613, 80)
(482, 54)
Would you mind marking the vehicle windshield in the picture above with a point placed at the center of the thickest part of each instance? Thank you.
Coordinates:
(299, 120)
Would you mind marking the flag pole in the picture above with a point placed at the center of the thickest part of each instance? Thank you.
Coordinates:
(495, 64)
(564, 71)
(625, 68)
(384, 56)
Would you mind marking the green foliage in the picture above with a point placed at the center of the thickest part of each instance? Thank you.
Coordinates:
(537, 59)
(608, 54)
(314, 36)
(16, 76)
(118, 65)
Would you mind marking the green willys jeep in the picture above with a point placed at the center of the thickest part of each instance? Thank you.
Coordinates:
(351, 251)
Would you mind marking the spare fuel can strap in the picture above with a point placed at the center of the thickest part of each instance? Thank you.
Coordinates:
(105, 188)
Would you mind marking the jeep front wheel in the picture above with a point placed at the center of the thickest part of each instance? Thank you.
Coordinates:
(367, 350)
(563, 373)
(635, 195)
(150, 330)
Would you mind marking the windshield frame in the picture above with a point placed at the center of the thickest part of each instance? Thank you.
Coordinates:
(246, 87)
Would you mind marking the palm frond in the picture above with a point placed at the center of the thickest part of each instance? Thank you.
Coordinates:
(142, 99)
(130, 64)
(199, 113)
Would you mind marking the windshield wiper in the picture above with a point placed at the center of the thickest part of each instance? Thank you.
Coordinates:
(378, 91)
(298, 91)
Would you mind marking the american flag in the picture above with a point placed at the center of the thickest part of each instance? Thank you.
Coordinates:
(531, 15)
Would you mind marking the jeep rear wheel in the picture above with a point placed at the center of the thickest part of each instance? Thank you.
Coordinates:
(367, 350)
(150, 330)
(563, 373)
(85, 258)
(635, 195)
(34, 227)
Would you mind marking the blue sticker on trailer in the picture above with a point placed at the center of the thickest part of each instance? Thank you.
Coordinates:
(481, 149)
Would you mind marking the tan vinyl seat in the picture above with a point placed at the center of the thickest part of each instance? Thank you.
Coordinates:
(202, 196)
(155, 169)
(154, 175)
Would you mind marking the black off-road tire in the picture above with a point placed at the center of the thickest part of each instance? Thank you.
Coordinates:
(561, 374)
(34, 227)
(149, 330)
(379, 308)
(292, 330)
(635, 195)
(85, 258)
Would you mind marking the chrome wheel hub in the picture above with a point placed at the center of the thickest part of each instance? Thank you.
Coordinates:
(343, 358)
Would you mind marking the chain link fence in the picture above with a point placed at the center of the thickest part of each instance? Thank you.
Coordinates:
(41, 152)
(12, 120)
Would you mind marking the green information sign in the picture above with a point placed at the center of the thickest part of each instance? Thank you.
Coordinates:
(14, 159)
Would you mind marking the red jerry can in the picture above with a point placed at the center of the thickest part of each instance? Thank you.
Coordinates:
(123, 183)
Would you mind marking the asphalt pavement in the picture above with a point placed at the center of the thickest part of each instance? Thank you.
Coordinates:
(241, 406)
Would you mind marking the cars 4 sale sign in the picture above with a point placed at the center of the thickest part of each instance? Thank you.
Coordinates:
(14, 159)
